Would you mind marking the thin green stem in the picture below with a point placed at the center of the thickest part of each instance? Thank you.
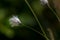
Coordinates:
(36, 19)
(53, 12)
(34, 30)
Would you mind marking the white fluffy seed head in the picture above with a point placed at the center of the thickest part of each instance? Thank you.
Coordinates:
(14, 21)
(43, 2)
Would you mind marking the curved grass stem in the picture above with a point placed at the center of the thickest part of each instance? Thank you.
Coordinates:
(53, 12)
(35, 31)
(36, 19)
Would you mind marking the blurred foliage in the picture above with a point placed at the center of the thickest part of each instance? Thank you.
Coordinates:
(32, 27)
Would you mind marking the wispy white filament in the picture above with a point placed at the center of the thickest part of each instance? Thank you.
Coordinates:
(43, 2)
(14, 21)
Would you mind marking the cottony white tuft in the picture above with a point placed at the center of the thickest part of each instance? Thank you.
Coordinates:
(14, 21)
(43, 2)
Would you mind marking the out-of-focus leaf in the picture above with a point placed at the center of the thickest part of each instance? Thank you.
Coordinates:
(7, 31)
